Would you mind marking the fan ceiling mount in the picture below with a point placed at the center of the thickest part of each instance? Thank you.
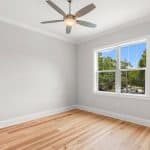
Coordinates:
(69, 19)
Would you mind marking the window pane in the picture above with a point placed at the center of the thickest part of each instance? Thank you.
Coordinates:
(107, 60)
(106, 81)
(133, 56)
(133, 82)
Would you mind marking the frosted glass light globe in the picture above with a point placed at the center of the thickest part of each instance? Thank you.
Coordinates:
(70, 20)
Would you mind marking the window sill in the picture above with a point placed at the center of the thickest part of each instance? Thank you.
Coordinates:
(123, 95)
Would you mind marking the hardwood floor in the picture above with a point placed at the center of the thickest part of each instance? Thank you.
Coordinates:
(75, 130)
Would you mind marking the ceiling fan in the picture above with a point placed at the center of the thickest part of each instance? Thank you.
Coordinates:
(70, 19)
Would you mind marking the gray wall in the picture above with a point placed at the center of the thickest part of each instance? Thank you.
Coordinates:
(127, 106)
(37, 73)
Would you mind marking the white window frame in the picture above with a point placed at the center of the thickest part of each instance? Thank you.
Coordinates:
(118, 71)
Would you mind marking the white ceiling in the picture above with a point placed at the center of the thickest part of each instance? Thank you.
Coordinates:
(108, 15)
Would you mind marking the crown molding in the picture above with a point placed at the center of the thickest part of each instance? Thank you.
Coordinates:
(38, 30)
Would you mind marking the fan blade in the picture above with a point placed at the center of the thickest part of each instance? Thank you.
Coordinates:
(68, 29)
(86, 23)
(51, 21)
(54, 6)
(85, 10)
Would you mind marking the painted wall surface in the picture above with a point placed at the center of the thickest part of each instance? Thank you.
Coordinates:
(37, 73)
(122, 105)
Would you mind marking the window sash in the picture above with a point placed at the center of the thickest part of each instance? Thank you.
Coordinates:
(106, 71)
(134, 69)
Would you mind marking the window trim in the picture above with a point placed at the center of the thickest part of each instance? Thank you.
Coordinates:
(118, 71)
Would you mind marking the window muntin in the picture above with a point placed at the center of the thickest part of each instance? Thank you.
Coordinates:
(122, 69)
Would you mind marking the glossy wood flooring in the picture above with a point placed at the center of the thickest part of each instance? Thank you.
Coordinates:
(75, 130)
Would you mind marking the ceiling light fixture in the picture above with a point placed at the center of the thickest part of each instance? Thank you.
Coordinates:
(71, 19)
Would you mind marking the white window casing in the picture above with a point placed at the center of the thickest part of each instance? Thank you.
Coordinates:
(118, 72)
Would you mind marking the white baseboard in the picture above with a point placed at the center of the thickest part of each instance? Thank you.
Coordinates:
(38, 115)
(123, 117)
(34, 116)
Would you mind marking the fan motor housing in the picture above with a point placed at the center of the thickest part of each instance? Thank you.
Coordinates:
(70, 17)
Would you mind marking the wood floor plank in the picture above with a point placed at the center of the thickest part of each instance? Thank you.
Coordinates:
(75, 130)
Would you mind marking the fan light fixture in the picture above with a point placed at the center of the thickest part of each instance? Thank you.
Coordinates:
(71, 19)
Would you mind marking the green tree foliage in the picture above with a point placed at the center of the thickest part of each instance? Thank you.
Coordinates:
(106, 80)
(106, 63)
(141, 74)
(142, 62)
(125, 64)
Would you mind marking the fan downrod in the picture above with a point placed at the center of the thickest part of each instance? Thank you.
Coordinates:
(69, 1)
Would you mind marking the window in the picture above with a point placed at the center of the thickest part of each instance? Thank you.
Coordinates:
(122, 69)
